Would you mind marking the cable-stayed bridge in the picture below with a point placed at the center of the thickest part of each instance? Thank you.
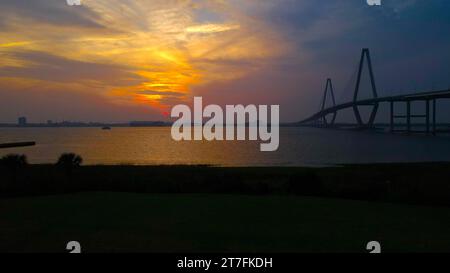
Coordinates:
(429, 98)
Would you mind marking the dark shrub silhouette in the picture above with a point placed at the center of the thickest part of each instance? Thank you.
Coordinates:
(305, 183)
(69, 161)
(10, 167)
(13, 161)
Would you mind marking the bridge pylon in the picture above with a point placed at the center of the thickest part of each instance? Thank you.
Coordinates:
(328, 88)
(365, 55)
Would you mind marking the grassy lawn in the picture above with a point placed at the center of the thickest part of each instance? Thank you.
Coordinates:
(125, 222)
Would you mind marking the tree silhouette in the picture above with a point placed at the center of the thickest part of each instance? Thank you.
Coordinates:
(13, 161)
(69, 161)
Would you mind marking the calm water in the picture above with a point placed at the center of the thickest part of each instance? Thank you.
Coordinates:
(298, 147)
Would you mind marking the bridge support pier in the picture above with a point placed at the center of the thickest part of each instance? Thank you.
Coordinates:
(434, 117)
(427, 113)
(408, 117)
(392, 124)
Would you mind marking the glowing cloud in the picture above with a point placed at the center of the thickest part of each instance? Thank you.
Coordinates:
(212, 28)
(164, 46)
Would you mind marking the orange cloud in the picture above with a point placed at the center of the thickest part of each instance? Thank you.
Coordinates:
(162, 43)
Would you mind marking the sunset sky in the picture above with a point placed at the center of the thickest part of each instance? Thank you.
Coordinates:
(121, 60)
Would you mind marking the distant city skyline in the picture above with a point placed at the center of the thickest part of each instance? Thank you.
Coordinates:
(24, 122)
(116, 61)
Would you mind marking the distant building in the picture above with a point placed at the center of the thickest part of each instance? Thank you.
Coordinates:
(49, 122)
(22, 121)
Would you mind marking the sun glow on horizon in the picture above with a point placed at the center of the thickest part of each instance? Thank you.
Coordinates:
(122, 49)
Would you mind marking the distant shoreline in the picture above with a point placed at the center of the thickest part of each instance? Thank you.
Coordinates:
(86, 125)
(169, 124)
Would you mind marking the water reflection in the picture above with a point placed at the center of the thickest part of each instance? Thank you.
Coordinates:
(154, 146)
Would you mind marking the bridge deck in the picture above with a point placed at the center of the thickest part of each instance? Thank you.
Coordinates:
(421, 96)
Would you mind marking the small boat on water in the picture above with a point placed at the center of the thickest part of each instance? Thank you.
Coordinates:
(106, 128)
